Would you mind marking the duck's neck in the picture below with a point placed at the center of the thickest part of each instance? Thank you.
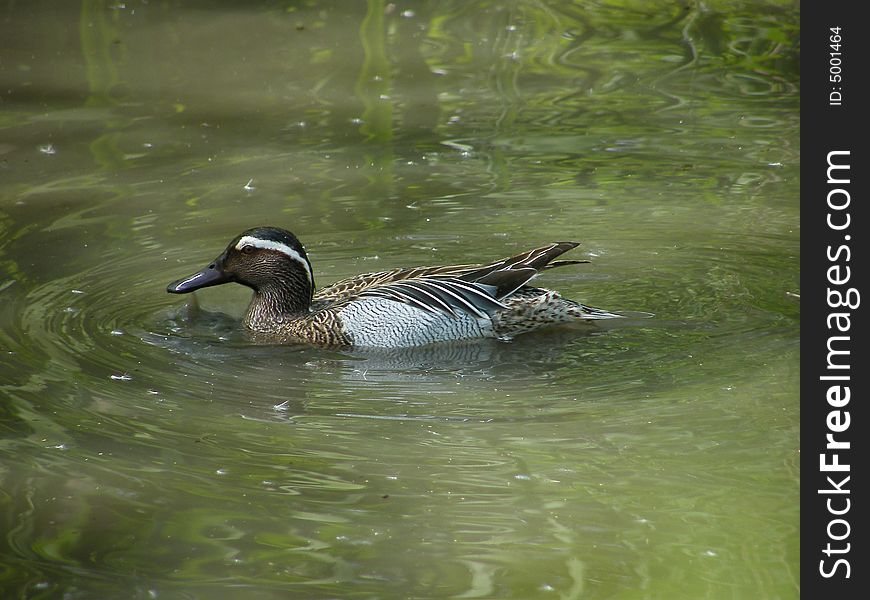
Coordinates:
(276, 304)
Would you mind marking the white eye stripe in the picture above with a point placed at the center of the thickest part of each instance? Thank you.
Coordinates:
(279, 247)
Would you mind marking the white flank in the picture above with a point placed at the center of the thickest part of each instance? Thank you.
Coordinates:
(249, 240)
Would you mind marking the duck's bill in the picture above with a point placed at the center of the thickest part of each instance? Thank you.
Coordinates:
(209, 276)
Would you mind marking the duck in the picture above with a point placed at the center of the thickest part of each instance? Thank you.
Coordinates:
(401, 307)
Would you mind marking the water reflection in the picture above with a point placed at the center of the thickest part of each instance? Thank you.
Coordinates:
(149, 449)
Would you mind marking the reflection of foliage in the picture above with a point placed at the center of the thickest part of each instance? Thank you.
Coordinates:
(459, 93)
(99, 45)
(374, 82)
(597, 52)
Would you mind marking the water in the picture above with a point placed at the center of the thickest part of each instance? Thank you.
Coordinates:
(149, 450)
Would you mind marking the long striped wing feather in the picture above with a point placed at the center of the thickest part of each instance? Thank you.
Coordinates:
(440, 295)
(473, 288)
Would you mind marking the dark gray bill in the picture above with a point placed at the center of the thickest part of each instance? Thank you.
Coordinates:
(211, 275)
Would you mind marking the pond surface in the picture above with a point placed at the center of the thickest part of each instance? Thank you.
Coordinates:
(148, 449)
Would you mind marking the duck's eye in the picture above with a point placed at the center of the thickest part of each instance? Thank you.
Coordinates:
(247, 249)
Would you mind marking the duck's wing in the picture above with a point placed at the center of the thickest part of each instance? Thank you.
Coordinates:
(444, 295)
(353, 286)
(506, 275)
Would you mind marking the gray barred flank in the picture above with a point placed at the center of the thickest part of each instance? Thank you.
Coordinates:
(379, 322)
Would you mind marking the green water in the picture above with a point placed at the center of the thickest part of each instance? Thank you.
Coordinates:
(149, 450)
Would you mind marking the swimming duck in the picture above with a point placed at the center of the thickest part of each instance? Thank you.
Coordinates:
(398, 308)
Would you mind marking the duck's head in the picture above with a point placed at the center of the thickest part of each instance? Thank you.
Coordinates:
(269, 260)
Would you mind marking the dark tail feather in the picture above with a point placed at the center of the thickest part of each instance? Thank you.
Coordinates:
(562, 263)
(537, 259)
(507, 281)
